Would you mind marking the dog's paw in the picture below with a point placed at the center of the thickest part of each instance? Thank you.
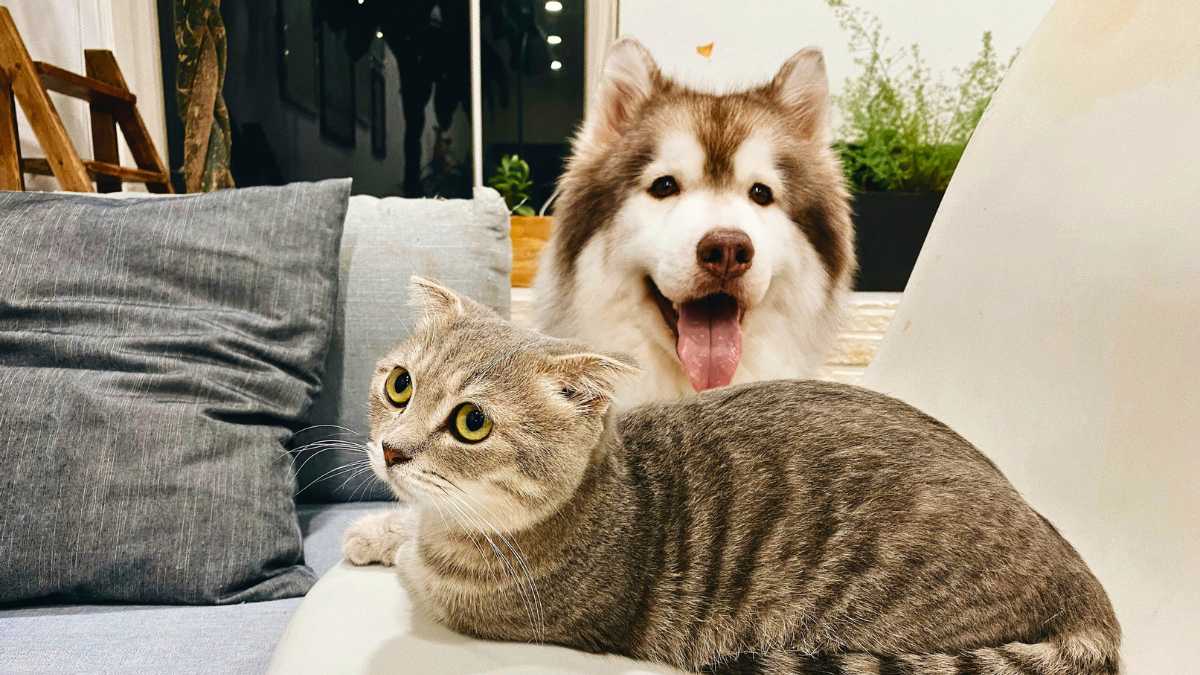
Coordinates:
(374, 539)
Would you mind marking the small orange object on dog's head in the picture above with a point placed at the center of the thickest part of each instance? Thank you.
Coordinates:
(705, 50)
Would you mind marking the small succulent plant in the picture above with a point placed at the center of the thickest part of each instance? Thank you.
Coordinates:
(512, 181)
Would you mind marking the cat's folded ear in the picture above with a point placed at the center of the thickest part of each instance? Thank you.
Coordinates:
(439, 302)
(590, 378)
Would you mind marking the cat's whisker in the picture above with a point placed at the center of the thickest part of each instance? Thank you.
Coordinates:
(335, 442)
(363, 484)
(469, 528)
(527, 598)
(487, 563)
(329, 426)
(337, 470)
(320, 441)
(298, 450)
(513, 547)
(362, 466)
(310, 453)
(323, 446)
(329, 441)
(526, 590)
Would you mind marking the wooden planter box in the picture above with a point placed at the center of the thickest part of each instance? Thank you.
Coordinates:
(890, 228)
(529, 234)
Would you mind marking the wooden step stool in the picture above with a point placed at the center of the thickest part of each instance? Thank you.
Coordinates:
(111, 105)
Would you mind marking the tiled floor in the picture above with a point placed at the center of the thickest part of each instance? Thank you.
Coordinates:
(867, 318)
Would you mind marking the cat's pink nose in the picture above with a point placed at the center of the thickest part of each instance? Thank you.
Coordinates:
(393, 456)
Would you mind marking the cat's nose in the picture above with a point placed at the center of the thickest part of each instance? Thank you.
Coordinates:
(393, 455)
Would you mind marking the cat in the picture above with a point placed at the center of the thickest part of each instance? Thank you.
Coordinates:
(775, 527)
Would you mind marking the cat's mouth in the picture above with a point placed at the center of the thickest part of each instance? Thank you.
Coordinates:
(708, 334)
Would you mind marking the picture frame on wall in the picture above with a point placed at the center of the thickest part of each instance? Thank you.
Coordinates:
(364, 70)
(337, 87)
(378, 113)
(298, 56)
(362, 89)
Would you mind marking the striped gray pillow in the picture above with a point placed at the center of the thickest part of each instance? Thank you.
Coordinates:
(154, 356)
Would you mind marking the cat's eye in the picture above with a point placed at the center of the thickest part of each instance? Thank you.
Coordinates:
(469, 424)
(398, 388)
(761, 194)
(663, 187)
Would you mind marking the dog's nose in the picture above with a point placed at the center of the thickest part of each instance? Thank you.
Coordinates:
(393, 455)
(725, 252)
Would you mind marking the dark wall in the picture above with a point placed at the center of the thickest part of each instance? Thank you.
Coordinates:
(326, 130)
(530, 109)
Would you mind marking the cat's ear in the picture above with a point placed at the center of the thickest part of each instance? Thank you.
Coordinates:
(437, 301)
(802, 87)
(590, 378)
(629, 76)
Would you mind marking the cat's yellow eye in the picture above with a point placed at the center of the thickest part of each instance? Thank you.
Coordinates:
(469, 424)
(398, 388)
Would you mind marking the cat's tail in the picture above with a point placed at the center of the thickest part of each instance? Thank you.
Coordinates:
(1077, 654)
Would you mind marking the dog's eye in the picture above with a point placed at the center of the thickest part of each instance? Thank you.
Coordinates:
(761, 194)
(663, 187)
(398, 388)
(469, 424)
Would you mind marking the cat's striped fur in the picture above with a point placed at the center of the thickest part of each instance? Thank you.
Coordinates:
(778, 527)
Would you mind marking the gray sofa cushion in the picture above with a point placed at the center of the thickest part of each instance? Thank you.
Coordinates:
(154, 354)
(464, 244)
(144, 639)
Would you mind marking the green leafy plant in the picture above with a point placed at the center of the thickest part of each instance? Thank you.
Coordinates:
(902, 129)
(512, 181)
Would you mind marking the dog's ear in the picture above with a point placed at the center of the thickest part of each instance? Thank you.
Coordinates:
(802, 87)
(627, 80)
(589, 379)
(437, 301)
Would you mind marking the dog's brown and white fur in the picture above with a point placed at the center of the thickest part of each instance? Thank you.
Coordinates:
(630, 263)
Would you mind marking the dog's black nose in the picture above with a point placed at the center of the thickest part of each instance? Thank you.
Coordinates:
(393, 455)
(725, 253)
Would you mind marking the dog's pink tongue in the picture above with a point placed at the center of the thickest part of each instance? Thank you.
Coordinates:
(710, 341)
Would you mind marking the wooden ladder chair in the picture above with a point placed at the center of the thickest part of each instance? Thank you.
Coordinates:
(26, 82)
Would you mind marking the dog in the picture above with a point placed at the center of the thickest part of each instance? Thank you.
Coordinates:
(707, 235)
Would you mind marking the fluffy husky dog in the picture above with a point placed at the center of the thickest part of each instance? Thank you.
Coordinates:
(708, 236)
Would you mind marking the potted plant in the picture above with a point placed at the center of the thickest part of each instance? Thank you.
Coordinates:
(902, 133)
(529, 231)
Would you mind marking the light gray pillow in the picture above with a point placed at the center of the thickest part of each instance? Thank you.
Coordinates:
(463, 244)
(155, 354)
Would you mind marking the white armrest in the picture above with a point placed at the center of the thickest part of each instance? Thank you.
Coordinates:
(360, 620)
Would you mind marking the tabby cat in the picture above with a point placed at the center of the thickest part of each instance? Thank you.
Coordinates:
(776, 527)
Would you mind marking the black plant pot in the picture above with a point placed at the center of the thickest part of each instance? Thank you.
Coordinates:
(890, 228)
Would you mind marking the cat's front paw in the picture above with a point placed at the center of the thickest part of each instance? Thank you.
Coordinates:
(374, 539)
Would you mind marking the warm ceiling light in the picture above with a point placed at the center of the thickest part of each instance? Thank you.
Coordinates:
(361, 1)
(556, 65)
(554, 39)
(554, 6)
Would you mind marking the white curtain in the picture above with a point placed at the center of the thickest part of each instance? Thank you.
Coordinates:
(601, 28)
